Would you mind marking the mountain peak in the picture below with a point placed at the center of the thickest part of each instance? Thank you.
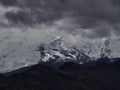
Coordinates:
(57, 50)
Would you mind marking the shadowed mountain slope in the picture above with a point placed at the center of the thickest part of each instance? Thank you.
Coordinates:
(70, 76)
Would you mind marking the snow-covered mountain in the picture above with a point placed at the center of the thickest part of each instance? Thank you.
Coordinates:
(17, 51)
(57, 50)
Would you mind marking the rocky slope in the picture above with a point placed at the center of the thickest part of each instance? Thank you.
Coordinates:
(59, 51)
(70, 76)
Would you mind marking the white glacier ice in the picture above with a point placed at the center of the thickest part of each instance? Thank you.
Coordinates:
(19, 48)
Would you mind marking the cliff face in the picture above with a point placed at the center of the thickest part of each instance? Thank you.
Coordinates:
(70, 76)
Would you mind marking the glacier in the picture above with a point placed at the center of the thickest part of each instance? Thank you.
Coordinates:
(57, 50)
(19, 49)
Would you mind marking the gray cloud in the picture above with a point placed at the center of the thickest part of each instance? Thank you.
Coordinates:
(99, 16)
(8, 2)
(33, 12)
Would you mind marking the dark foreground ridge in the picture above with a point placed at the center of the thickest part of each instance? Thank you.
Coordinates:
(70, 76)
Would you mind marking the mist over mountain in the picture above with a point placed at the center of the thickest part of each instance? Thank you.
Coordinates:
(59, 44)
(25, 52)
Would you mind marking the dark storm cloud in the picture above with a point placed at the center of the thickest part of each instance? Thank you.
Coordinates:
(92, 11)
(100, 16)
(8, 2)
(34, 12)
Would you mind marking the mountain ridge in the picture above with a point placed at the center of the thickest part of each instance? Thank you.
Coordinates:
(57, 50)
(70, 76)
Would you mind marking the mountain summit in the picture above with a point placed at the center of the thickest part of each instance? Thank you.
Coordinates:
(58, 50)
(54, 52)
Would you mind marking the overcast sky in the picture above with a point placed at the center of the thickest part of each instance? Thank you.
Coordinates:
(88, 18)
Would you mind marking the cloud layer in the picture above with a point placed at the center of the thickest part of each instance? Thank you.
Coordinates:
(89, 18)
